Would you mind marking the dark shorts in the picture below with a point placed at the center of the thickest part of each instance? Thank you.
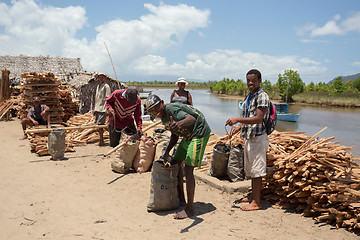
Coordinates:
(100, 117)
(115, 134)
(40, 121)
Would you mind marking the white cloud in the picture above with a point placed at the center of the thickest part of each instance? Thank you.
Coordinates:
(356, 64)
(228, 63)
(34, 30)
(137, 46)
(332, 27)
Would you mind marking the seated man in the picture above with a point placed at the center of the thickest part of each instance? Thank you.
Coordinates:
(38, 115)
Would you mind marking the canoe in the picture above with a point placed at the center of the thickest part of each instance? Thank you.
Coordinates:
(282, 110)
(290, 117)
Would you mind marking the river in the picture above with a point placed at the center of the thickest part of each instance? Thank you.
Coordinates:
(342, 123)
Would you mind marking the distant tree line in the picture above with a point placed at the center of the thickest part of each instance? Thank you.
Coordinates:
(288, 84)
(171, 84)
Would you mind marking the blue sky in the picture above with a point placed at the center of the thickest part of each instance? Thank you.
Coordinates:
(201, 40)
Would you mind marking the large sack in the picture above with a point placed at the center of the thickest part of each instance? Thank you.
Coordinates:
(162, 137)
(219, 160)
(235, 167)
(163, 188)
(56, 143)
(145, 155)
(124, 156)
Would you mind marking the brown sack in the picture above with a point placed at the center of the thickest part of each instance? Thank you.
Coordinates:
(124, 157)
(145, 155)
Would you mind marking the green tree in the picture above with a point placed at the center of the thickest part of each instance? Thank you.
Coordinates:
(337, 86)
(266, 85)
(356, 84)
(289, 84)
(310, 87)
(321, 87)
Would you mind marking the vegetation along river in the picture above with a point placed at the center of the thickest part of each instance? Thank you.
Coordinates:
(342, 123)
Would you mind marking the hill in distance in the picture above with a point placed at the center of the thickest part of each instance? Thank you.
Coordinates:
(347, 78)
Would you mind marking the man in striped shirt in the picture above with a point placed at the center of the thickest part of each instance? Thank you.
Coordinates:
(255, 110)
(123, 107)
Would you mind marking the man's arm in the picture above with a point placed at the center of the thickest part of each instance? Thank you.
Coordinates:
(188, 120)
(173, 140)
(138, 119)
(31, 111)
(109, 104)
(258, 118)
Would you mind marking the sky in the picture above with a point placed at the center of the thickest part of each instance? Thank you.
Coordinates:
(202, 40)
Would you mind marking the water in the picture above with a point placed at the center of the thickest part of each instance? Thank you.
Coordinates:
(342, 123)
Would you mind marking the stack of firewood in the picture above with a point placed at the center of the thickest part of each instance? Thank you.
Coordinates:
(84, 136)
(38, 144)
(69, 104)
(79, 137)
(5, 107)
(46, 87)
(317, 177)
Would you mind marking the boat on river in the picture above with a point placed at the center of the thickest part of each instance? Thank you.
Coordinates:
(282, 110)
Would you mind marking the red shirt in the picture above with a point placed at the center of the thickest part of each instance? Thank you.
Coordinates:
(125, 111)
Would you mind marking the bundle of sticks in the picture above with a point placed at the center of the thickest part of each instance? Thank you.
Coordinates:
(317, 177)
(5, 107)
(86, 133)
(38, 144)
(84, 136)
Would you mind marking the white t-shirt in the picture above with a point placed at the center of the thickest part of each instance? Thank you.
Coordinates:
(102, 92)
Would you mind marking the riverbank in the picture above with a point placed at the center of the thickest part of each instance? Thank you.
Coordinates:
(313, 101)
(81, 198)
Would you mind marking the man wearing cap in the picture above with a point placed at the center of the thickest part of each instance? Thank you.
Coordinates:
(37, 115)
(189, 123)
(102, 92)
(123, 106)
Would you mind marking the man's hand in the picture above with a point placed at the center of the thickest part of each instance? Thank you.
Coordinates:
(231, 121)
(111, 112)
(35, 123)
(174, 126)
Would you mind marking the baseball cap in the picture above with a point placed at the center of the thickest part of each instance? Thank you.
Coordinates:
(131, 94)
(36, 99)
(152, 101)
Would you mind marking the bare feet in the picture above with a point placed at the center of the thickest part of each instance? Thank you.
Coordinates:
(101, 144)
(184, 214)
(251, 207)
(243, 200)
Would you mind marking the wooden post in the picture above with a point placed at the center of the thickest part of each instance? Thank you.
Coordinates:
(112, 66)
(47, 130)
(5, 85)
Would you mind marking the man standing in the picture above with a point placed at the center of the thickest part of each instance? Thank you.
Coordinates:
(37, 115)
(102, 92)
(254, 111)
(185, 121)
(123, 106)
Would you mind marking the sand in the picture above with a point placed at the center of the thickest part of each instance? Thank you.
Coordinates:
(82, 198)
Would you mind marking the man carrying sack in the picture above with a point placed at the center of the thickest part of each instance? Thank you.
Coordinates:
(183, 121)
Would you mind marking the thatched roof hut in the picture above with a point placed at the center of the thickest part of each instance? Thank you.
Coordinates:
(85, 85)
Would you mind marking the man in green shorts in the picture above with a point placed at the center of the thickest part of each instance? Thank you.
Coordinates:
(189, 123)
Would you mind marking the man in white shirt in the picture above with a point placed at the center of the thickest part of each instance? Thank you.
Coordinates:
(102, 92)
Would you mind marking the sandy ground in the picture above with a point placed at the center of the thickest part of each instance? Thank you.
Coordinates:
(81, 198)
